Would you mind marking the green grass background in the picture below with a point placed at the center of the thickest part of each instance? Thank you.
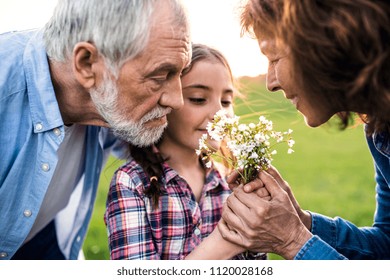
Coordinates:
(331, 171)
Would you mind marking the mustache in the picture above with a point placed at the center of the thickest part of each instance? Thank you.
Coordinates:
(156, 113)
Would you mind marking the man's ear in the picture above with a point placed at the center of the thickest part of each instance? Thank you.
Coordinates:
(85, 63)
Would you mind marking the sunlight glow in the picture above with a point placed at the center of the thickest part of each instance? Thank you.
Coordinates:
(213, 22)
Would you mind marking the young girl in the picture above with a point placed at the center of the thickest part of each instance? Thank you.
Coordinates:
(164, 202)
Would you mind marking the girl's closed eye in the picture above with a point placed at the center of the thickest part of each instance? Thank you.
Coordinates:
(226, 103)
(197, 100)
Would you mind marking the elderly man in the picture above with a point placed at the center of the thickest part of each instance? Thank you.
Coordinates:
(99, 71)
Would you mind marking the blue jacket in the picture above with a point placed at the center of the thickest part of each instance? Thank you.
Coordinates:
(339, 239)
(31, 131)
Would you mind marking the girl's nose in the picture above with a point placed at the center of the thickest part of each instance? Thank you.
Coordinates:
(217, 107)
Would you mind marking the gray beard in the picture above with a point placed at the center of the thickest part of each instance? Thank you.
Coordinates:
(105, 99)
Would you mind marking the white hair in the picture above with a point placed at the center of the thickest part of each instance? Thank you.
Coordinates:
(118, 28)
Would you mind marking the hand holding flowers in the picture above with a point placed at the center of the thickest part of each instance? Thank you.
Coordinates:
(251, 146)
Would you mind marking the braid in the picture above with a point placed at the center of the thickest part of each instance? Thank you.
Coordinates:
(151, 162)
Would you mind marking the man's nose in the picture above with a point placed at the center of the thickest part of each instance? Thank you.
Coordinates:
(173, 96)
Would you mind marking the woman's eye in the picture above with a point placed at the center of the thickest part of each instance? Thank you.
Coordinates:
(273, 62)
(198, 100)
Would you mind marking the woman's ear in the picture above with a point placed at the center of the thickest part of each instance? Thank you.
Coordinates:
(85, 62)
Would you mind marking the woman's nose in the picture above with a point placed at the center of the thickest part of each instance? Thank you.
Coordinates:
(272, 81)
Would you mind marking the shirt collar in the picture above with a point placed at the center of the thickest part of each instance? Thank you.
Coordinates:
(45, 112)
(382, 142)
(213, 177)
(169, 173)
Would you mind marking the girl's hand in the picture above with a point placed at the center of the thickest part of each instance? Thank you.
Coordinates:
(215, 247)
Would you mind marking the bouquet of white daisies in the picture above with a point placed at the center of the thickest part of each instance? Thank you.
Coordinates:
(251, 145)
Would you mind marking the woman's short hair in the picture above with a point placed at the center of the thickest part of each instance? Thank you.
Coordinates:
(339, 49)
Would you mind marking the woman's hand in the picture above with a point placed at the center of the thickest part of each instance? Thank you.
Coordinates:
(258, 186)
(303, 215)
(264, 225)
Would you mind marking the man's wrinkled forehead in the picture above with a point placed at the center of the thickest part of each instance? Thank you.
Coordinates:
(189, 56)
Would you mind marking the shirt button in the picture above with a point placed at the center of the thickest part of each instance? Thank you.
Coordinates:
(27, 213)
(197, 231)
(3, 254)
(57, 131)
(45, 167)
(38, 126)
(78, 238)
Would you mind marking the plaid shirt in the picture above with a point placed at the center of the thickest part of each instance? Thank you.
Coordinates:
(137, 230)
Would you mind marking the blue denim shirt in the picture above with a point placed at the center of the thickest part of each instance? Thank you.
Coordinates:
(31, 131)
(339, 239)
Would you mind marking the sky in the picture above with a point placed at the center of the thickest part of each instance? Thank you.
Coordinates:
(213, 22)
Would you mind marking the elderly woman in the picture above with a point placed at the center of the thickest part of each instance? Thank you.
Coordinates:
(328, 57)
